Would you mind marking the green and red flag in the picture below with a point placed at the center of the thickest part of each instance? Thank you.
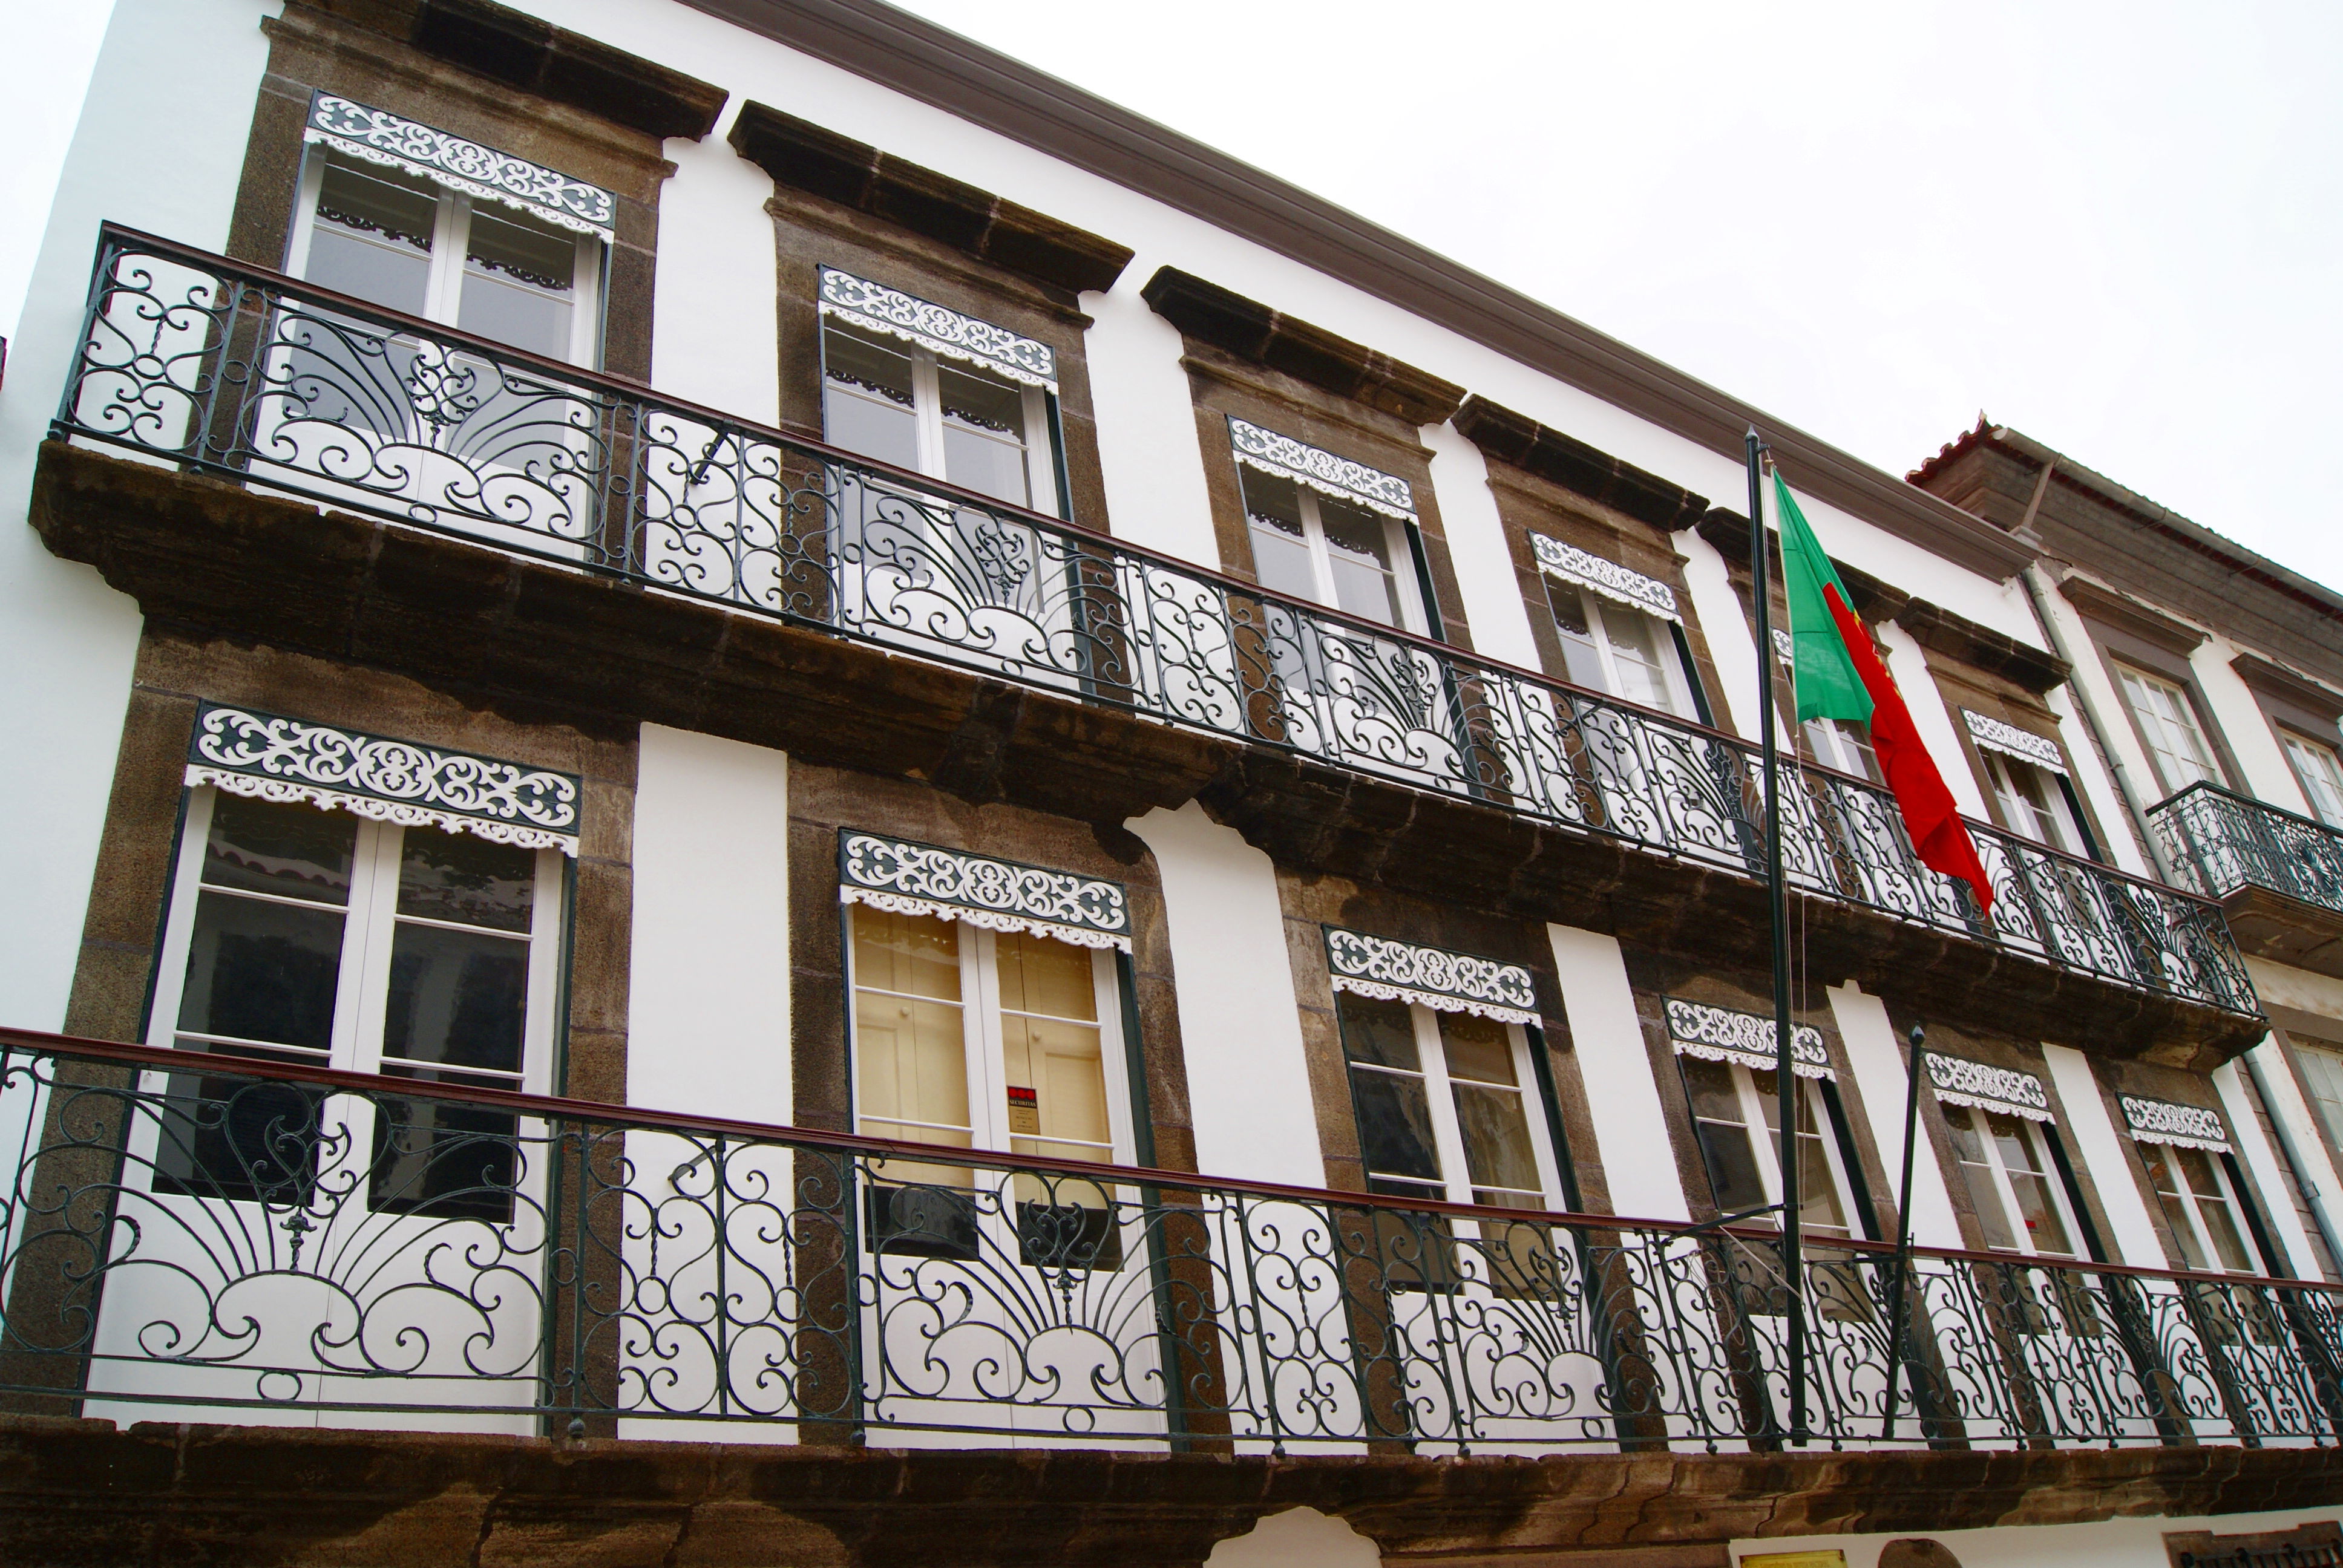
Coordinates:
(1836, 674)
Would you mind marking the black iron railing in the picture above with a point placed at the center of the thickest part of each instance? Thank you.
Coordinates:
(183, 1233)
(2218, 840)
(247, 374)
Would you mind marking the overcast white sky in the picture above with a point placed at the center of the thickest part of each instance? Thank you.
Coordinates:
(2114, 227)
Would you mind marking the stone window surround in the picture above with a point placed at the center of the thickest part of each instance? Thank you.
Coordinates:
(1224, 386)
(311, 52)
(812, 233)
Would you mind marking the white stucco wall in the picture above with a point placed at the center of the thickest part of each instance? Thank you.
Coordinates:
(1631, 1134)
(1732, 645)
(68, 641)
(2262, 1166)
(2239, 715)
(1493, 608)
(1240, 1026)
(708, 1011)
(2094, 1144)
(716, 296)
(1872, 1052)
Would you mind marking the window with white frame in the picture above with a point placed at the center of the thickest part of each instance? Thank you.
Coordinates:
(2032, 803)
(1618, 629)
(971, 1038)
(2322, 1074)
(2186, 1150)
(945, 395)
(1728, 1062)
(2320, 772)
(397, 214)
(2012, 1182)
(1844, 745)
(1330, 530)
(342, 939)
(2166, 716)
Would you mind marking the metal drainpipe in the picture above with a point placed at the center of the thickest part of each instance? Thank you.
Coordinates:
(2037, 586)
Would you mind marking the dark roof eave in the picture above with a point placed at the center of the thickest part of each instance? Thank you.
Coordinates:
(938, 67)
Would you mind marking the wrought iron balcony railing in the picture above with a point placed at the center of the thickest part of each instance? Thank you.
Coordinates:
(247, 374)
(2218, 840)
(185, 1235)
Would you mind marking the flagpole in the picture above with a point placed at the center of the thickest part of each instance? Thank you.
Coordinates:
(1786, 1066)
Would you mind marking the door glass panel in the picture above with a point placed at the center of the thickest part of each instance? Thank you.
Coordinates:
(292, 851)
(2322, 777)
(1281, 547)
(867, 403)
(2213, 1205)
(1492, 1112)
(1635, 652)
(1358, 549)
(1056, 1072)
(984, 434)
(262, 971)
(1977, 1173)
(1724, 1134)
(373, 235)
(911, 1047)
(1395, 1132)
(1819, 1208)
(520, 281)
(1582, 665)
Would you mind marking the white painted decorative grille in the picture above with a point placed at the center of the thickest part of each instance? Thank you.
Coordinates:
(269, 757)
(890, 312)
(1430, 977)
(1962, 1083)
(1726, 1034)
(2166, 1121)
(2023, 744)
(1320, 470)
(906, 878)
(379, 136)
(1784, 648)
(1609, 578)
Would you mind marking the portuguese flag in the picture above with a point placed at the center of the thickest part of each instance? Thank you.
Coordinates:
(1837, 674)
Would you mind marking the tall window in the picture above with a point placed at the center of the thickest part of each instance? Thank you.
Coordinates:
(397, 239)
(2320, 772)
(1007, 1041)
(2010, 1177)
(2169, 727)
(1608, 647)
(949, 419)
(2033, 801)
(2322, 1074)
(2194, 1191)
(303, 936)
(1446, 1104)
(1730, 1104)
(1844, 745)
(1330, 551)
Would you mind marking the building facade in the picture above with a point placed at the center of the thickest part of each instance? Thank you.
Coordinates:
(799, 801)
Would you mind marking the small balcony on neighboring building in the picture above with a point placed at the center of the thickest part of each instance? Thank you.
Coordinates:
(319, 473)
(2279, 875)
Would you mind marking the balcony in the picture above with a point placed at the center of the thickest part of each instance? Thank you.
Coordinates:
(801, 596)
(187, 1236)
(2279, 876)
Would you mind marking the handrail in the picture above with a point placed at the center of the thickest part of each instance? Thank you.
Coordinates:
(552, 1107)
(253, 376)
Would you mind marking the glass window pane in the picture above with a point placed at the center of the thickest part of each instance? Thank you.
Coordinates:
(1395, 1125)
(984, 435)
(2040, 1214)
(520, 281)
(1377, 1031)
(1636, 650)
(456, 998)
(2321, 772)
(1280, 547)
(1358, 549)
(1038, 974)
(469, 880)
(1714, 1094)
(1582, 665)
(915, 955)
(1478, 1050)
(2322, 1074)
(261, 971)
(912, 1063)
(1819, 1201)
(373, 235)
(867, 398)
(449, 1161)
(1985, 1198)
(292, 851)
(1732, 1166)
(1498, 1153)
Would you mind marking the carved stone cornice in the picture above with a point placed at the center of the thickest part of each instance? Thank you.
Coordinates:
(1577, 466)
(2111, 607)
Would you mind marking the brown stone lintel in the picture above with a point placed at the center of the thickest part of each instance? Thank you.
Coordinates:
(2114, 607)
(521, 51)
(2269, 925)
(1253, 332)
(537, 642)
(1577, 466)
(801, 156)
(84, 1492)
(2271, 679)
(1932, 626)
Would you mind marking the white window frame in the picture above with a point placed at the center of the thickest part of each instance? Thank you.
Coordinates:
(928, 412)
(1447, 1132)
(2198, 1232)
(1397, 540)
(2012, 1215)
(2053, 826)
(985, 1043)
(2137, 685)
(1766, 1142)
(370, 923)
(1599, 608)
(1835, 745)
(2322, 1079)
(2310, 757)
(450, 242)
